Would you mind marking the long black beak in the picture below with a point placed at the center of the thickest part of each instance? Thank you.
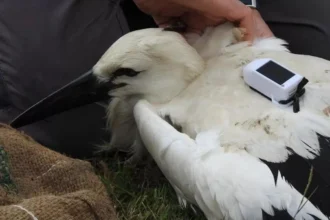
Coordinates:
(84, 90)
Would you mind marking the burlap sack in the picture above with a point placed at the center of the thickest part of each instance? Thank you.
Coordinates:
(39, 184)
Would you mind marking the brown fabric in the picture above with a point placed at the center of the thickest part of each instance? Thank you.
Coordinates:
(47, 184)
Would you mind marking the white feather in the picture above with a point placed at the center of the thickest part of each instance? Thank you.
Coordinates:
(225, 185)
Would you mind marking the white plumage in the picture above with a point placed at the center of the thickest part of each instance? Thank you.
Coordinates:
(230, 157)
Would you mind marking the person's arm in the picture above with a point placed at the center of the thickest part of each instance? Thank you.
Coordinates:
(233, 11)
(199, 14)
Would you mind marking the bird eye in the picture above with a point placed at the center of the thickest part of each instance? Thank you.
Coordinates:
(130, 72)
(124, 72)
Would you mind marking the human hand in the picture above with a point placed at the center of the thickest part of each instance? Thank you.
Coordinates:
(199, 14)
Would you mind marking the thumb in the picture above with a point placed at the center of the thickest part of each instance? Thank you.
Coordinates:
(248, 24)
(242, 15)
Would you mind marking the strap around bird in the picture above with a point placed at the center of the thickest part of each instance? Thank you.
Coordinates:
(295, 98)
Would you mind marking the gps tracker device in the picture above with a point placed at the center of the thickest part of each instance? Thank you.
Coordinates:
(276, 82)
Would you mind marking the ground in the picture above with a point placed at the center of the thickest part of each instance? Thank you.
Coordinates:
(141, 193)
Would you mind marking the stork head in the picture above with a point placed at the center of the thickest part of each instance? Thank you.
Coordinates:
(152, 63)
(155, 64)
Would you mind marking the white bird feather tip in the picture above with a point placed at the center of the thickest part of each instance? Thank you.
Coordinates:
(297, 205)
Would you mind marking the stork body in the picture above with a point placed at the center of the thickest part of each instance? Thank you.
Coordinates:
(219, 99)
(237, 155)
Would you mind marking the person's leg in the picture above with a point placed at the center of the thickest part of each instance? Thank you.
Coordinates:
(43, 46)
(304, 24)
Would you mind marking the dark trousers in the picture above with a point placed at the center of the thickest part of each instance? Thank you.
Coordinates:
(305, 24)
(46, 44)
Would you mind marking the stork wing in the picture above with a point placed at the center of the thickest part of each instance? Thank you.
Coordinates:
(160, 138)
(177, 156)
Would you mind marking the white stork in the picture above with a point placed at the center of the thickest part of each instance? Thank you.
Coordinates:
(222, 146)
(236, 156)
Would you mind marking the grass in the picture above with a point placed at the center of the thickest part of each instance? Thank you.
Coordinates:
(142, 193)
